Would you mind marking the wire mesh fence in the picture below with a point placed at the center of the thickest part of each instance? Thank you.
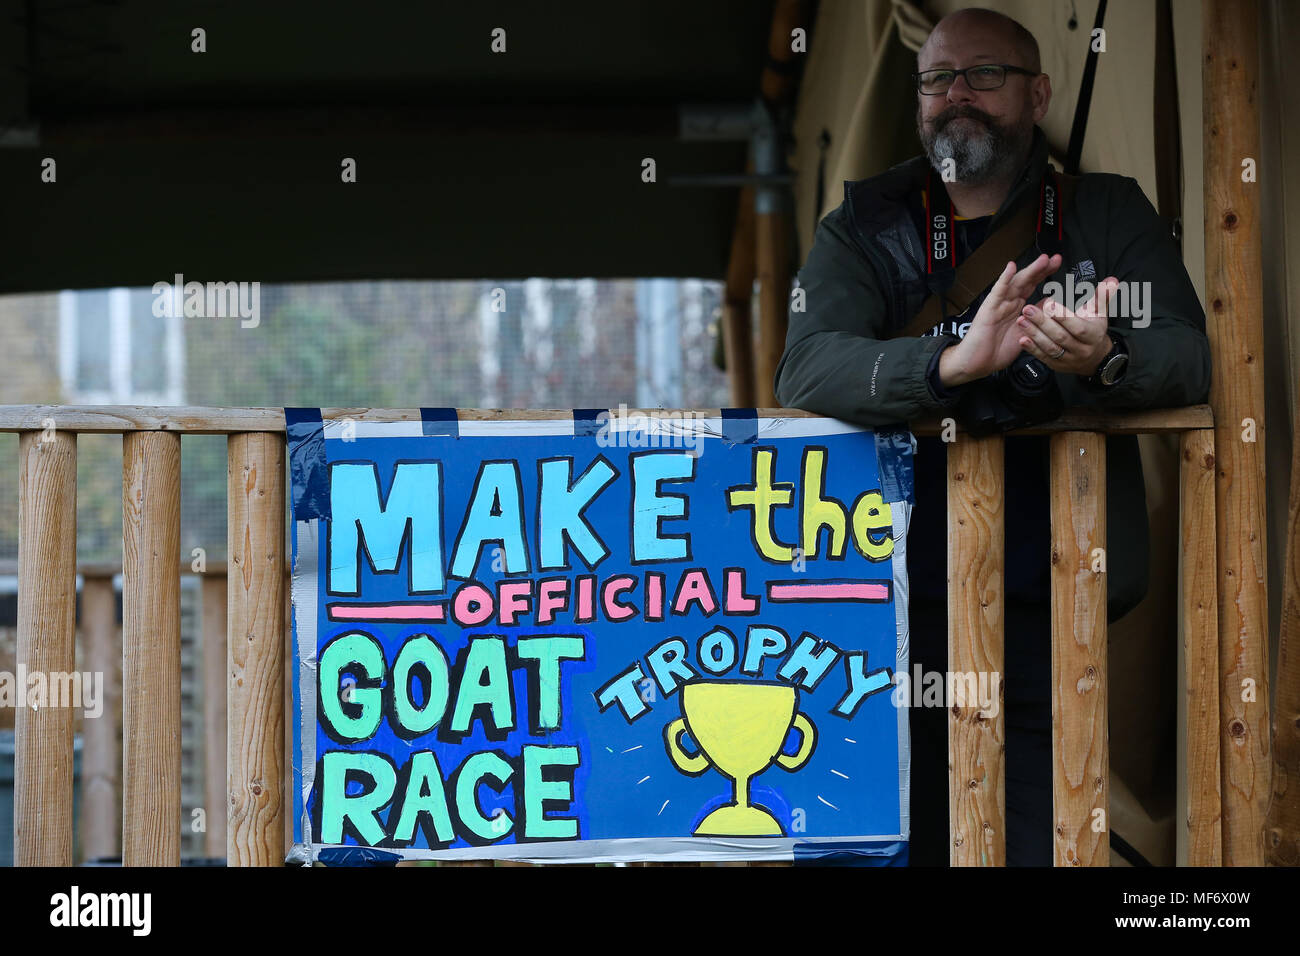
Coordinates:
(533, 343)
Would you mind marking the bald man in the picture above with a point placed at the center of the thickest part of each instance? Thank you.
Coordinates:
(876, 260)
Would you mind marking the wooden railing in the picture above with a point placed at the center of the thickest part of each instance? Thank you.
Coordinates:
(254, 608)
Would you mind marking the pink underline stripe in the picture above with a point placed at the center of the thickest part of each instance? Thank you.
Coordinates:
(391, 612)
(828, 592)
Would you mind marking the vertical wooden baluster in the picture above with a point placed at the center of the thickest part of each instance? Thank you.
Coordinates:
(1080, 758)
(977, 801)
(214, 710)
(1201, 649)
(151, 649)
(255, 757)
(47, 601)
(101, 752)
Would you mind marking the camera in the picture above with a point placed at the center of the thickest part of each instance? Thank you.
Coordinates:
(1024, 393)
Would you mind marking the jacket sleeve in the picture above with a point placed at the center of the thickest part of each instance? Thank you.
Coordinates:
(834, 364)
(1164, 324)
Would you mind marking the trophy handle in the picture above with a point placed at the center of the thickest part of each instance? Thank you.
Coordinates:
(687, 763)
(808, 739)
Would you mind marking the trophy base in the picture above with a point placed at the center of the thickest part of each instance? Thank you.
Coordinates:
(732, 820)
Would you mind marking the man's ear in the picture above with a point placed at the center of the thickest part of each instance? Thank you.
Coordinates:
(1040, 94)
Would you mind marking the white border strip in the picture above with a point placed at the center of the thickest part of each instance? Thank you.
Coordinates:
(699, 426)
(524, 428)
(306, 540)
(902, 514)
(335, 429)
(674, 849)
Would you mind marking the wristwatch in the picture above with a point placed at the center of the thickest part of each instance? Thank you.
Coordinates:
(1113, 366)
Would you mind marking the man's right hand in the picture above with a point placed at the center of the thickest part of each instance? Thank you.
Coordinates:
(993, 340)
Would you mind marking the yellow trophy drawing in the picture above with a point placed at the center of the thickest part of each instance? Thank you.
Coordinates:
(740, 727)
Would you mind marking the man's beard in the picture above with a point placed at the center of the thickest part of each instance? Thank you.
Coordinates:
(982, 150)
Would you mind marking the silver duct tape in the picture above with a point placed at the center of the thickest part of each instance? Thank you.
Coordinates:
(301, 853)
(902, 515)
(656, 849)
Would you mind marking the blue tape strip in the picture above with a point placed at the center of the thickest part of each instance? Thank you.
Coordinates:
(895, 448)
(587, 421)
(867, 853)
(308, 467)
(440, 421)
(740, 426)
(356, 856)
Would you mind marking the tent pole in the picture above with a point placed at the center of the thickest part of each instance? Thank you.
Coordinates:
(737, 328)
(772, 213)
(1234, 293)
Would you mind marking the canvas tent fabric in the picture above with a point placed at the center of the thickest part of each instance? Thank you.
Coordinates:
(856, 117)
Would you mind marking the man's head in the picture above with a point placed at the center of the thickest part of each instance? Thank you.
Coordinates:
(987, 132)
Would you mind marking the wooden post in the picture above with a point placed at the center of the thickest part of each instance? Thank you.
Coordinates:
(101, 751)
(1080, 754)
(1282, 824)
(1200, 649)
(977, 801)
(151, 649)
(1234, 293)
(213, 589)
(47, 610)
(255, 662)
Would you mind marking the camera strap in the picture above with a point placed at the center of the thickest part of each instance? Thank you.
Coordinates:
(954, 285)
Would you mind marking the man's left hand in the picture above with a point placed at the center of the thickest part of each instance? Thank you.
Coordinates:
(1049, 327)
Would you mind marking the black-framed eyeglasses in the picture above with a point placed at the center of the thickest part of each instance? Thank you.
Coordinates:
(985, 76)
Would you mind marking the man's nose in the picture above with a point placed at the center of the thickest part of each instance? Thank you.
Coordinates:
(960, 91)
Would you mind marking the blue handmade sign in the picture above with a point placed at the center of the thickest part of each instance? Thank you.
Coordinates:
(598, 637)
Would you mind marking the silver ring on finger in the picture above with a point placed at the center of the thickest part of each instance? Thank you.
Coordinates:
(1059, 354)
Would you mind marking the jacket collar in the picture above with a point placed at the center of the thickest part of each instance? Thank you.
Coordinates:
(1028, 179)
(876, 203)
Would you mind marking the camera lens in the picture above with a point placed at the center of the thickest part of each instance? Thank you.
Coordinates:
(1028, 374)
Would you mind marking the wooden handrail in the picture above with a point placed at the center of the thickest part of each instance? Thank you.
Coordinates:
(202, 420)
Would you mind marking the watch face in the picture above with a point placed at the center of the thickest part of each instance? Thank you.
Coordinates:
(1114, 369)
